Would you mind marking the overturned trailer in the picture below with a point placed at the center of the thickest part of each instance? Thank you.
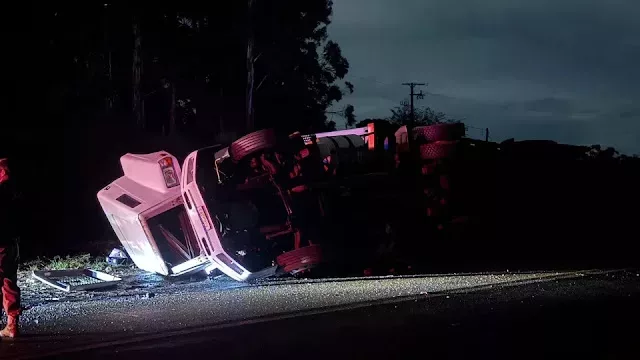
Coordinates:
(270, 205)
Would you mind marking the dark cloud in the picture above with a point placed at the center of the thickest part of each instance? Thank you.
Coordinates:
(629, 114)
(548, 105)
(556, 69)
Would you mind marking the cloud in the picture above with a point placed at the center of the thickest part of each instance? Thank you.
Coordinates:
(551, 105)
(548, 105)
(629, 114)
(555, 69)
(577, 47)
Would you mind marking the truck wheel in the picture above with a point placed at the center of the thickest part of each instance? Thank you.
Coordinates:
(438, 150)
(251, 143)
(300, 259)
(439, 132)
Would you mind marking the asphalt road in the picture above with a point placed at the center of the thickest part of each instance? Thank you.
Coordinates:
(586, 314)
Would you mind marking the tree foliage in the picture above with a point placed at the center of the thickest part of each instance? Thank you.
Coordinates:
(349, 115)
(300, 65)
(401, 115)
(196, 54)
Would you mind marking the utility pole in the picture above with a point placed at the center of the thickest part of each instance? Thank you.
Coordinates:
(420, 95)
(250, 70)
(137, 74)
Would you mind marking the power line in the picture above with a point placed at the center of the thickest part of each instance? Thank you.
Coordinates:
(485, 131)
(369, 78)
(419, 95)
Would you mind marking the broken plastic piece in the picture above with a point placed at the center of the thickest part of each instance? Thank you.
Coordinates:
(117, 257)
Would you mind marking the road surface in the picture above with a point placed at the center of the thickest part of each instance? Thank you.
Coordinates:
(453, 316)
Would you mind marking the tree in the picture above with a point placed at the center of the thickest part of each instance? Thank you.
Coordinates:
(349, 115)
(300, 65)
(401, 115)
(195, 56)
(598, 152)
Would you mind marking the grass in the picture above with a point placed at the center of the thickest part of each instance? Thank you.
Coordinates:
(82, 261)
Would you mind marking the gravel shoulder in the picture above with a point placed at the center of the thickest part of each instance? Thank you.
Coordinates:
(141, 306)
(183, 308)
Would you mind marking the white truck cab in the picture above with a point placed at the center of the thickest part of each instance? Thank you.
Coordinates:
(145, 209)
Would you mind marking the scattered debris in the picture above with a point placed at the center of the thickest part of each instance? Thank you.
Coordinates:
(75, 280)
(117, 257)
(147, 295)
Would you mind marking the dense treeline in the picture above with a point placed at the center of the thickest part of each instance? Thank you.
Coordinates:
(178, 68)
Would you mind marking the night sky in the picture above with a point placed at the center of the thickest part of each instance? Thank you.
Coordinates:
(565, 70)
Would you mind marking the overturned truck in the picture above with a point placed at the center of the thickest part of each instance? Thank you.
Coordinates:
(269, 205)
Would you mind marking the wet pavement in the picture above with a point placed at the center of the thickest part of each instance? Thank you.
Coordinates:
(188, 310)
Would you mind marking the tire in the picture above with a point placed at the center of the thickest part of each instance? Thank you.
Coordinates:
(438, 150)
(300, 259)
(439, 132)
(251, 143)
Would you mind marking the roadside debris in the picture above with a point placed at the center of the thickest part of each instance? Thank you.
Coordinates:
(117, 257)
(147, 295)
(75, 280)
